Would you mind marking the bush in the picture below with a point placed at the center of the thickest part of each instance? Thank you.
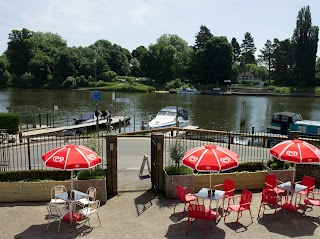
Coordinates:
(58, 175)
(178, 170)
(10, 121)
(94, 173)
(34, 175)
(275, 164)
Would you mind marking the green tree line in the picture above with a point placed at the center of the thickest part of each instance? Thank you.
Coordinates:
(43, 60)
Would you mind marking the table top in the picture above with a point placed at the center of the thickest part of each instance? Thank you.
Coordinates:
(288, 187)
(77, 196)
(217, 195)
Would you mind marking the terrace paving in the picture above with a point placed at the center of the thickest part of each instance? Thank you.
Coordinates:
(145, 214)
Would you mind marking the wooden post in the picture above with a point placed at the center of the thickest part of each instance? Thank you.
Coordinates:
(112, 169)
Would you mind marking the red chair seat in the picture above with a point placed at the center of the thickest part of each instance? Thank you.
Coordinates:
(190, 197)
(238, 208)
(310, 201)
(211, 214)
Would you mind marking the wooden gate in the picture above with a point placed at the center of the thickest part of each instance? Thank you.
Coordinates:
(157, 177)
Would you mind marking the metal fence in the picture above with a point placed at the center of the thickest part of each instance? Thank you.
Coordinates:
(26, 155)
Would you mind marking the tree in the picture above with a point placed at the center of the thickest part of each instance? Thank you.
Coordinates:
(19, 51)
(202, 37)
(267, 55)
(248, 49)
(283, 62)
(214, 61)
(236, 50)
(305, 43)
(167, 59)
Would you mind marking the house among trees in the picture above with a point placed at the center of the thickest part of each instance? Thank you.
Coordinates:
(247, 77)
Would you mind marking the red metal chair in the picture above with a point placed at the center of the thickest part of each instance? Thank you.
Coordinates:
(271, 183)
(244, 204)
(312, 201)
(269, 198)
(228, 186)
(199, 212)
(184, 195)
(308, 181)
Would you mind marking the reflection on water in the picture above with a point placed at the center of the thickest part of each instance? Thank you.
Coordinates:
(206, 111)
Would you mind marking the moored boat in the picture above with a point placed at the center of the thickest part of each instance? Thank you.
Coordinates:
(283, 122)
(190, 91)
(170, 116)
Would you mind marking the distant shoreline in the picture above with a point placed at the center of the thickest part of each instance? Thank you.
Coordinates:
(253, 94)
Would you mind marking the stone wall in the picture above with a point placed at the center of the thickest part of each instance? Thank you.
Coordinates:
(99, 184)
(311, 170)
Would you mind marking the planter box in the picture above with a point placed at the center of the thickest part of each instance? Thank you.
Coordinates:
(194, 182)
(170, 182)
(243, 180)
(41, 191)
(281, 175)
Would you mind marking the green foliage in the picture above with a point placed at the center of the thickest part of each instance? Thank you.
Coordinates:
(123, 86)
(94, 173)
(10, 121)
(174, 84)
(34, 175)
(177, 150)
(278, 164)
(178, 170)
(58, 175)
(95, 145)
(249, 167)
(277, 89)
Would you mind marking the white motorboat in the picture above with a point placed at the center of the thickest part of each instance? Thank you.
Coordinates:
(190, 91)
(169, 116)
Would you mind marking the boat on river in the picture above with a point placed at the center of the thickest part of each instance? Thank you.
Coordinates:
(283, 122)
(189, 91)
(170, 116)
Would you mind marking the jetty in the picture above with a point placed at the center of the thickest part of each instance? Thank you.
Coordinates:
(114, 122)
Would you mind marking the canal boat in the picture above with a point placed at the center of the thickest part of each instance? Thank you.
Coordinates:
(170, 116)
(283, 122)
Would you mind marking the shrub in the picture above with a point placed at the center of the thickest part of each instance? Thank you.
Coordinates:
(94, 173)
(34, 175)
(178, 170)
(10, 121)
(275, 164)
(177, 150)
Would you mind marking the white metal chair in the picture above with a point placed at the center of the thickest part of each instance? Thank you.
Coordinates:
(57, 190)
(91, 197)
(88, 212)
(56, 212)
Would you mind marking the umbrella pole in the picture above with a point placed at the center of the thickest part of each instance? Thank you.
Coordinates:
(71, 180)
(294, 173)
(210, 180)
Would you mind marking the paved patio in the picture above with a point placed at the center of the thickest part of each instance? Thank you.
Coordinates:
(144, 214)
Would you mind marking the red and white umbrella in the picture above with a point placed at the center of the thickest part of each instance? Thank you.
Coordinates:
(296, 151)
(210, 158)
(71, 157)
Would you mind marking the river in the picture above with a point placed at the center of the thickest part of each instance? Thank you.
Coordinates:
(221, 112)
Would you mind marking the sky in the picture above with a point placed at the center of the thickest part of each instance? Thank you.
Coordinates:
(134, 23)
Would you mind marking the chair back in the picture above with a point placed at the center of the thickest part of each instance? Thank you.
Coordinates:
(228, 187)
(57, 190)
(180, 192)
(271, 181)
(197, 211)
(269, 196)
(92, 193)
(92, 208)
(246, 198)
(54, 210)
(308, 181)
